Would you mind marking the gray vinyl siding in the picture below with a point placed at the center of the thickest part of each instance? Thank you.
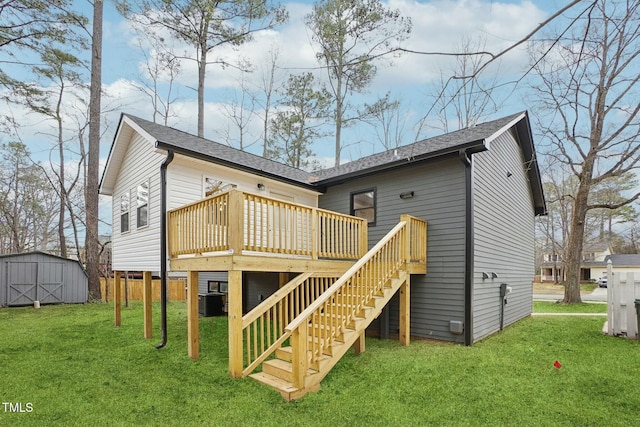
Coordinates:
(205, 276)
(42, 273)
(439, 198)
(503, 236)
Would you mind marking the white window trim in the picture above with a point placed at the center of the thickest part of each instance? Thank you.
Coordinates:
(138, 226)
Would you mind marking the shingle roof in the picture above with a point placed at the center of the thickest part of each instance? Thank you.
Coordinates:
(624, 260)
(193, 146)
(472, 139)
(427, 148)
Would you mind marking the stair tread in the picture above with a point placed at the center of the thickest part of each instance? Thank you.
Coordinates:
(275, 382)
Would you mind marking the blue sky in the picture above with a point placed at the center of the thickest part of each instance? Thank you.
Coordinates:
(437, 26)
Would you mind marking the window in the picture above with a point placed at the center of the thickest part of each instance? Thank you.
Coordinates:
(142, 213)
(363, 205)
(211, 186)
(124, 213)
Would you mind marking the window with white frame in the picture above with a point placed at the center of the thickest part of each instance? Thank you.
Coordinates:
(142, 211)
(124, 212)
(211, 186)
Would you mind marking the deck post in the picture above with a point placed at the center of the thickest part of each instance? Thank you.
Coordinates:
(234, 296)
(405, 313)
(147, 298)
(192, 315)
(117, 297)
(315, 230)
(235, 210)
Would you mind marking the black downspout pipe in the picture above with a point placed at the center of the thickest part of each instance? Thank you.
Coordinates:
(163, 247)
(468, 269)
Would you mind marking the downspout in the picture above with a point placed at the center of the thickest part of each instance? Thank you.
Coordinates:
(163, 247)
(468, 250)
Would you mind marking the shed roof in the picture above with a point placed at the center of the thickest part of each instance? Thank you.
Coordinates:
(473, 139)
(24, 254)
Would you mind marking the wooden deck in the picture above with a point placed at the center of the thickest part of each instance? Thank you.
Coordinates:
(239, 232)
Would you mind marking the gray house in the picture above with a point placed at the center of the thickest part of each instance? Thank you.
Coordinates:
(38, 276)
(479, 189)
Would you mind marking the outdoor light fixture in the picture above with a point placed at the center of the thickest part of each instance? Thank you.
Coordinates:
(494, 276)
(406, 195)
(260, 186)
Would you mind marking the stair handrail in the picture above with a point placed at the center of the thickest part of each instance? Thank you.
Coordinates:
(298, 328)
(266, 312)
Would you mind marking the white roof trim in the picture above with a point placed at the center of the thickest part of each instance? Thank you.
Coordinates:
(118, 150)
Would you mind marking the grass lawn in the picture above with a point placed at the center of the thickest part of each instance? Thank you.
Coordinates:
(75, 368)
(554, 307)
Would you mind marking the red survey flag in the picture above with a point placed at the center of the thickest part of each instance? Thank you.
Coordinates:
(557, 364)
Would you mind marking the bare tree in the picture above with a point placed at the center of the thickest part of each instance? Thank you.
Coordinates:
(463, 96)
(270, 78)
(161, 69)
(388, 121)
(27, 208)
(589, 109)
(240, 111)
(206, 26)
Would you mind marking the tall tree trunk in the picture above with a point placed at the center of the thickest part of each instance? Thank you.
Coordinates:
(63, 193)
(202, 71)
(576, 234)
(92, 246)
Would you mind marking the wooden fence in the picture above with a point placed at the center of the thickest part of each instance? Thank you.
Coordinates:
(622, 291)
(176, 289)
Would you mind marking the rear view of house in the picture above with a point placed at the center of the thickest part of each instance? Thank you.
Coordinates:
(350, 238)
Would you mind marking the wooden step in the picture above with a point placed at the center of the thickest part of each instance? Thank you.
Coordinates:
(282, 369)
(288, 391)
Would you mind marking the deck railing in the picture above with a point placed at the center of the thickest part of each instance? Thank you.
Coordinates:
(237, 221)
(320, 324)
(263, 327)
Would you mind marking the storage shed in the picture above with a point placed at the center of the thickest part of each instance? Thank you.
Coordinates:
(38, 276)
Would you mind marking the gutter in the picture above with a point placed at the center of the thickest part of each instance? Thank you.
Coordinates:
(163, 246)
(465, 157)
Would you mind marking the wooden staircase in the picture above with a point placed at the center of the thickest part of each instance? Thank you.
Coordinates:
(300, 355)
(278, 373)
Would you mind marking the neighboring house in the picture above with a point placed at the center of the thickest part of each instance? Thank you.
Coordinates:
(592, 267)
(479, 189)
(37, 276)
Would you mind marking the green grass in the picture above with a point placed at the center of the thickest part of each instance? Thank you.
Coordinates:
(75, 368)
(554, 307)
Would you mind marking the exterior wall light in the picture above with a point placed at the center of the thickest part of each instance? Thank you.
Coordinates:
(406, 195)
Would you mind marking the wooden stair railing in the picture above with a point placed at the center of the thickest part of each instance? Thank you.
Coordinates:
(325, 330)
(263, 327)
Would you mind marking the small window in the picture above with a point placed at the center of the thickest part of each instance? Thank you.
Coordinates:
(217, 286)
(363, 205)
(212, 186)
(142, 213)
(124, 213)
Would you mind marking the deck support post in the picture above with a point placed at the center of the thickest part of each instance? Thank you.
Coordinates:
(234, 296)
(117, 298)
(192, 315)
(358, 346)
(405, 313)
(147, 298)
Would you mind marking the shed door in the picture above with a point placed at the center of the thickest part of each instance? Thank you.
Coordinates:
(49, 289)
(22, 285)
(30, 281)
